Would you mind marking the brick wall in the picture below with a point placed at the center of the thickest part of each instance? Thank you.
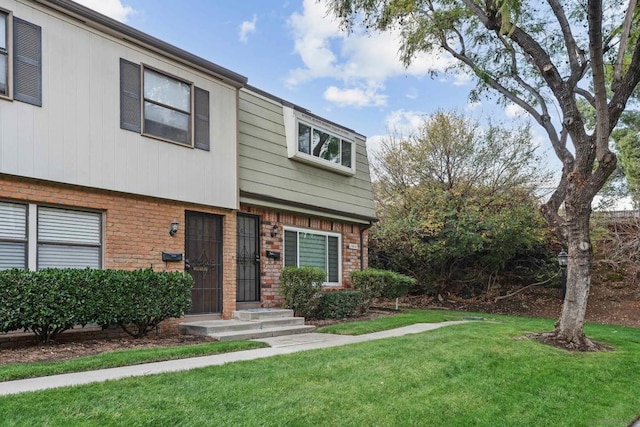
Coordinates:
(271, 268)
(136, 228)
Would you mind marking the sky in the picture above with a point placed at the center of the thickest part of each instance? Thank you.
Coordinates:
(294, 50)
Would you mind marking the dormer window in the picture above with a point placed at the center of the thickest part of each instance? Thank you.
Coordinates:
(324, 145)
(318, 142)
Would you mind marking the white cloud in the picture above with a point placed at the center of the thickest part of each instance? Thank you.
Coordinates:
(373, 145)
(399, 124)
(362, 62)
(405, 123)
(247, 27)
(514, 111)
(354, 97)
(473, 105)
(112, 8)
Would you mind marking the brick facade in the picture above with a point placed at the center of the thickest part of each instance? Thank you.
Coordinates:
(271, 268)
(135, 228)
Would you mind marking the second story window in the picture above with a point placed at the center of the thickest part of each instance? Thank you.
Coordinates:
(4, 54)
(323, 145)
(20, 60)
(167, 107)
(162, 106)
(318, 142)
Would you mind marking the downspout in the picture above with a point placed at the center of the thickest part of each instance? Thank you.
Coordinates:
(362, 230)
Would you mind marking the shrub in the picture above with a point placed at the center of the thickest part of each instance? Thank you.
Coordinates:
(380, 283)
(139, 300)
(46, 302)
(50, 301)
(301, 288)
(340, 304)
(12, 285)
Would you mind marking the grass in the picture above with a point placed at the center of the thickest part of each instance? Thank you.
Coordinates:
(479, 373)
(407, 317)
(115, 359)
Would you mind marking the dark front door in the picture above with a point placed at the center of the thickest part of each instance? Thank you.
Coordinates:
(203, 260)
(248, 258)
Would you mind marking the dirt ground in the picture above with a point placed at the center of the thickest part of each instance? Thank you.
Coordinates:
(613, 303)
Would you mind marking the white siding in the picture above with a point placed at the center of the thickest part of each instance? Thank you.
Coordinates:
(75, 137)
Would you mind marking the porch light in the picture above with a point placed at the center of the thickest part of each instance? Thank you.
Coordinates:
(563, 259)
(174, 228)
(274, 230)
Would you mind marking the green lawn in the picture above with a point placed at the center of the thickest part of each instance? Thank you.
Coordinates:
(115, 359)
(475, 374)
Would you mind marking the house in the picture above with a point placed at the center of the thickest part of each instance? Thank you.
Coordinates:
(120, 151)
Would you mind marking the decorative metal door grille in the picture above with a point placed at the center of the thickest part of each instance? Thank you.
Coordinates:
(203, 260)
(248, 258)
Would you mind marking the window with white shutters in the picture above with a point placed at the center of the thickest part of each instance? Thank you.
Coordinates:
(13, 236)
(306, 248)
(68, 238)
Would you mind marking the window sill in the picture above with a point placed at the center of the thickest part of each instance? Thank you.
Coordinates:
(170, 141)
(323, 164)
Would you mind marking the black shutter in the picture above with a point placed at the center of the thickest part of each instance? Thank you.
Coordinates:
(130, 96)
(201, 122)
(27, 63)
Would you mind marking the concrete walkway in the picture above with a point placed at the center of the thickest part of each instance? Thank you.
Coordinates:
(279, 345)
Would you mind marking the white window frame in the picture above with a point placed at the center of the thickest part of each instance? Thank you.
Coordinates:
(8, 16)
(143, 99)
(294, 118)
(298, 230)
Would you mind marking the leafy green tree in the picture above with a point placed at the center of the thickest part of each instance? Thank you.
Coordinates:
(627, 140)
(543, 57)
(457, 202)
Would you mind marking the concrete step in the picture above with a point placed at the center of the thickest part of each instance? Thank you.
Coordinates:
(263, 333)
(212, 327)
(281, 321)
(217, 326)
(261, 313)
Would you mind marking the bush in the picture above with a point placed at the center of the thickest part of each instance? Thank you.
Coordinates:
(301, 288)
(340, 304)
(139, 300)
(50, 301)
(11, 284)
(47, 302)
(375, 283)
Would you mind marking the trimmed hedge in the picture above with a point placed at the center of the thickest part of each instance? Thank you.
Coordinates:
(339, 304)
(301, 288)
(50, 301)
(381, 284)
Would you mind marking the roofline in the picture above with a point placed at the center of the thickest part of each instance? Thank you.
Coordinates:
(298, 108)
(104, 23)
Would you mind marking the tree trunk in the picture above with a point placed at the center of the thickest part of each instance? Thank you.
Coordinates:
(569, 329)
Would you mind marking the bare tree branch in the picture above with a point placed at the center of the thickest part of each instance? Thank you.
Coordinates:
(572, 48)
(622, 48)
